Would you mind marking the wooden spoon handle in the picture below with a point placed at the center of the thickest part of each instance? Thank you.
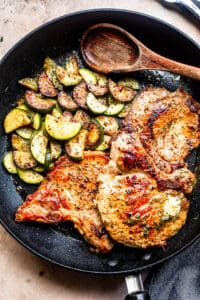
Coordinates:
(152, 60)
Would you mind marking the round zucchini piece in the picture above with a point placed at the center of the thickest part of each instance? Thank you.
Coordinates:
(60, 129)
(29, 176)
(9, 164)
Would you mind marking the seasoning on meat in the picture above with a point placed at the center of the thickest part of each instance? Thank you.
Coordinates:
(69, 194)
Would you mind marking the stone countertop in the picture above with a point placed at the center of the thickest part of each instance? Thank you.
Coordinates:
(22, 274)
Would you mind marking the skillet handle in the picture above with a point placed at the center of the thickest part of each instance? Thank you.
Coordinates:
(138, 296)
(135, 288)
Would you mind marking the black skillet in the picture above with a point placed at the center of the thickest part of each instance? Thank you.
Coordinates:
(58, 39)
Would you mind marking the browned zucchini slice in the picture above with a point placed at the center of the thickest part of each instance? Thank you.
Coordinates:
(101, 87)
(46, 86)
(18, 143)
(130, 83)
(80, 93)
(109, 124)
(82, 117)
(30, 83)
(76, 146)
(66, 101)
(16, 118)
(95, 134)
(38, 104)
(120, 92)
(49, 67)
(55, 149)
(24, 160)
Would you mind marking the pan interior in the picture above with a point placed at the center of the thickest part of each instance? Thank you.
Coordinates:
(59, 39)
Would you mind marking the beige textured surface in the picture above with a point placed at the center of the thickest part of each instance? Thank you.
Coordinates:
(23, 275)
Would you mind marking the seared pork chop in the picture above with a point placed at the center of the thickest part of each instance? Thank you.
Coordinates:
(135, 213)
(159, 132)
(68, 193)
(141, 190)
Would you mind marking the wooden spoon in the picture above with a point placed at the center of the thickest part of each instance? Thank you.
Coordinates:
(109, 48)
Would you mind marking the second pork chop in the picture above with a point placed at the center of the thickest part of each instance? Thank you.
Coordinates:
(68, 193)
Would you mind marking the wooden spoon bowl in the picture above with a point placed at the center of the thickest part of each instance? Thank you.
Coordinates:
(109, 48)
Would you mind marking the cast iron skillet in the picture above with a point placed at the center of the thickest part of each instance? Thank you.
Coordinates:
(58, 39)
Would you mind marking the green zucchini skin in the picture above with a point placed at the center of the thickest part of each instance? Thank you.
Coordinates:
(9, 163)
(38, 146)
(94, 105)
(30, 176)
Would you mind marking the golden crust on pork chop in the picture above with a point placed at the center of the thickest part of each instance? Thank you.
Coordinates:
(135, 213)
(159, 132)
(69, 194)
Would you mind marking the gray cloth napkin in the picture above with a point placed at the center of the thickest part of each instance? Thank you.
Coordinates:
(178, 278)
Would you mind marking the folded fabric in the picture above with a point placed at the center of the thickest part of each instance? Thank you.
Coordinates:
(178, 278)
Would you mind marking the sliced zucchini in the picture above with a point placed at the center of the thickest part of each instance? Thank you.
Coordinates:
(130, 83)
(95, 134)
(66, 101)
(120, 92)
(67, 116)
(37, 103)
(60, 128)
(30, 176)
(39, 169)
(16, 118)
(109, 124)
(88, 76)
(30, 83)
(76, 146)
(18, 143)
(114, 107)
(66, 78)
(9, 164)
(24, 160)
(46, 86)
(25, 132)
(56, 150)
(49, 67)
(37, 120)
(47, 160)
(80, 93)
(123, 113)
(38, 146)
(105, 144)
(101, 87)
(94, 105)
(56, 111)
(72, 65)
(82, 117)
